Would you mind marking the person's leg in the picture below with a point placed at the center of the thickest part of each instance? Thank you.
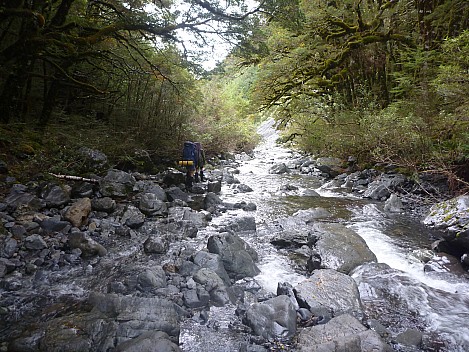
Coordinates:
(202, 177)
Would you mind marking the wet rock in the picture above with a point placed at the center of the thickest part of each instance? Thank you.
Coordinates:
(212, 283)
(214, 187)
(145, 186)
(172, 177)
(341, 248)
(117, 183)
(54, 224)
(82, 190)
(86, 244)
(150, 204)
(18, 231)
(237, 256)
(18, 199)
(105, 204)
(151, 279)
(78, 212)
(291, 239)
(137, 315)
(175, 193)
(274, 318)
(211, 201)
(381, 188)
(213, 262)
(55, 195)
(342, 333)
(149, 342)
(330, 166)
(393, 204)
(133, 217)
(155, 244)
(278, 169)
(35, 242)
(242, 223)
(330, 290)
(410, 337)
(242, 188)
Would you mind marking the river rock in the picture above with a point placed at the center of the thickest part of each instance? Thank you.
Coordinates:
(82, 190)
(242, 224)
(86, 244)
(272, 319)
(53, 224)
(278, 169)
(211, 201)
(393, 204)
(155, 244)
(150, 341)
(212, 283)
(330, 166)
(35, 242)
(151, 279)
(145, 186)
(175, 193)
(173, 177)
(117, 183)
(95, 157)
(105, 204)
(55, 195)
(381, 188)
(342, 333)
(330, 290)
(18, 199)
(237, 256)
(214, 186)
(78, 212)
(453, 212)
(213, 262)
(133, 217)
(150, 204)
(137, 315)
(340, 248)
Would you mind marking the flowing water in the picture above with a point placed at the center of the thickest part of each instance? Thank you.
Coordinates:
(437, 302)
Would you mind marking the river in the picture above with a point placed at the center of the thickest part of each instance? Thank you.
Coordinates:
(400, 297)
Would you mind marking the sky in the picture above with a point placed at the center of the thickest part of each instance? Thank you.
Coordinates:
(216, 49)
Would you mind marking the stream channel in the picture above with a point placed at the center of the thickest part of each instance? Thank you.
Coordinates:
(400, 296)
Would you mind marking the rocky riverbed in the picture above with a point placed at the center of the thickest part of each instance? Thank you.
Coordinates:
(132, 262)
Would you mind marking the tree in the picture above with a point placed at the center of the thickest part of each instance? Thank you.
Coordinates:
(46, 47)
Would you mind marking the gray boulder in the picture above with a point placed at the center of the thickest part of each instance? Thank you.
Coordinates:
(330, 166)
(35, 242)
(86, 244)
(328, 289)
(155, 244)
(278, 169)
(145, 186)
(105, 204)
(212, 283)
(133, 217)
(117, 183)
(175, 193)
(341, 334)
(213, 262)
(149, 342)
(237, 256)
(151, 204)
(151, 279)
(340, 248)
(55, 195)
(272, 319)
(393, 204)
(384, 185)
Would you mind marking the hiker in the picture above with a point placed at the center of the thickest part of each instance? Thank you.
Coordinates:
(199, 167)
(189, 160)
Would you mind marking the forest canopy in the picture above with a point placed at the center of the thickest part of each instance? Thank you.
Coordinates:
(384, 81)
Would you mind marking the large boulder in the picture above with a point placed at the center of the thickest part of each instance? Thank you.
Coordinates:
(453, 217)
(340, 248)
(330, 166)
(117, 183)
(150, 204)
(384, 185)
(329, 290)
(146, 186)
(272, 319)
(341, 334)
(55, 195)
(237, 256)
(149, 342)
